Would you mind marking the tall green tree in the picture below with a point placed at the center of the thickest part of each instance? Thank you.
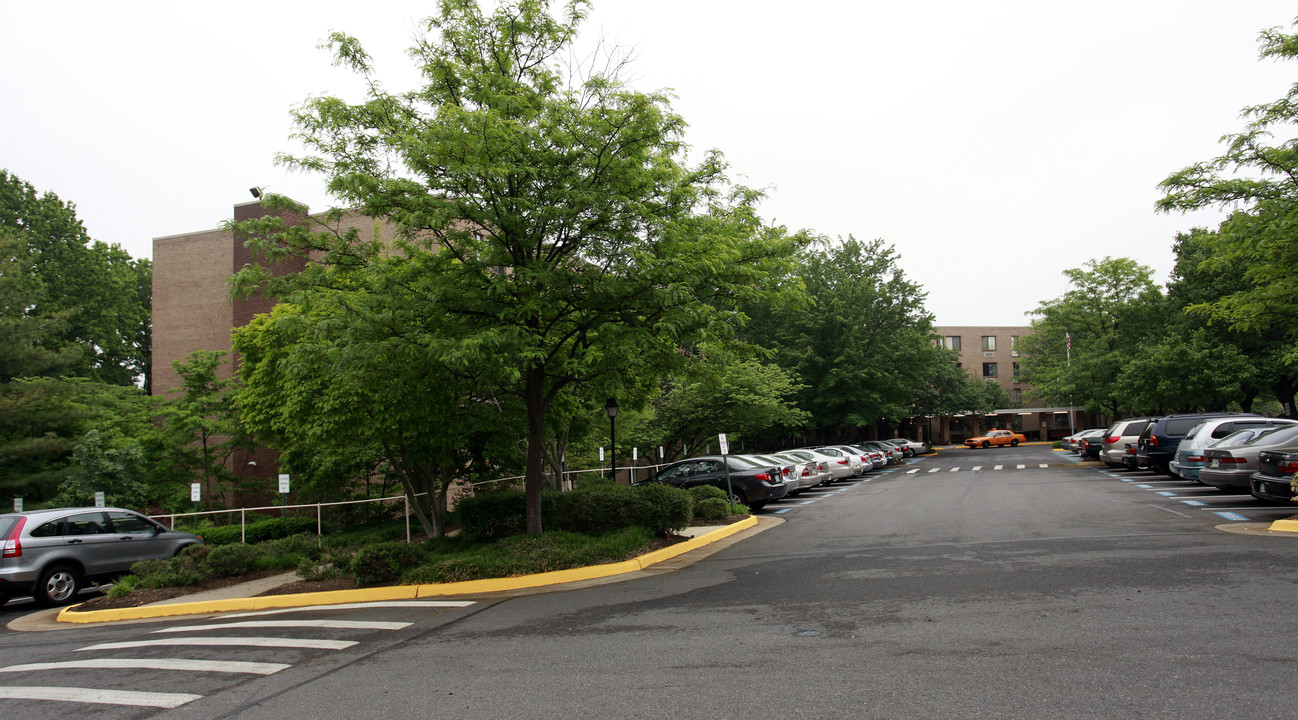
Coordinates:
(202, 421)
(1084, 338)
(862, 349)
(551, 231)
(99, 292)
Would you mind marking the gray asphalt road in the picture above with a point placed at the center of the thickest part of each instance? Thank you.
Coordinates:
(935, 590)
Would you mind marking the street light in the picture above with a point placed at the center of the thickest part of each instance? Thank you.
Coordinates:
(611, 408)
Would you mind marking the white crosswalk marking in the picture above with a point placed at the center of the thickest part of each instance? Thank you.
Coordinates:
(955, 469)
(998, 467)
(354, 606)
(935, 470)
(229, 666)
(976, 468)
(229, 642)
(1022, 466)
(332, 624)
(912, 472)
(103, 697)
(1043, 465)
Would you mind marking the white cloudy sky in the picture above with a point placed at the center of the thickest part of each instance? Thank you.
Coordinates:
(993, 143)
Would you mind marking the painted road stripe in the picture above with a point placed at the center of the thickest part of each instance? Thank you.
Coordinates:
(1043, 465)
(357, 606)
(1232, 516)
(1128, 479)
(935, 470)
(955, 469)
(912, 472)
(230, 642)
(1145, 487)
(229, 666)
(103, 697)
(1196, 503)
(781, 512)
(998, 467)
(976, 468)
(332, 624)
(1165, 493)
(1022, 466)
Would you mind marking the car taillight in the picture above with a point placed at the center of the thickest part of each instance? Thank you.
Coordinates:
(1288, 467)
(784, 472)
(1113, 439)
(1231, 460)
(12, 547)
(806, 471)
(764, 477)
(1153, 440)
(1131, 450)
(842, 462)
(1194, 458)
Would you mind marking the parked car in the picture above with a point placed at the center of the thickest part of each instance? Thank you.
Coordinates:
(1089, 447)
(843, 457)
(1189, 452)
(813, 473)
(1230, 462)
(891, 452)
(52, 554)
(838, 467)
(1119, 436)
(1272, 481)
(996, 438)
(912, 447)
(859, 458)
(1158, 442)
(1073, 443)
(875, 458)
(752, 483)
(790, 470)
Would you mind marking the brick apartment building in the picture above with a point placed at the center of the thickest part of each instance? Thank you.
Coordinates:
(992, 353)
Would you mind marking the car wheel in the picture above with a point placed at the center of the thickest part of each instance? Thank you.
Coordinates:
(1014, 443)
(909, 453)
(986, 444)
(57, 585)
(737, 498)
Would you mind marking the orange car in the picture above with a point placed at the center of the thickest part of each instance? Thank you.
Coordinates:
(996, 437)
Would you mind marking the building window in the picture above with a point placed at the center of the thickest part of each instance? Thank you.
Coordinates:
(951, 342)
(1014, 345)
(989, 343)
(1017, 396)
(1016, 370)
(989, 370)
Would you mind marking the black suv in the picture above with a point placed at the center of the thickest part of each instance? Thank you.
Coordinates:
(1158, 442)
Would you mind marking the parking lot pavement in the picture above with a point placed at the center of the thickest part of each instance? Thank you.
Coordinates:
(1188, 496)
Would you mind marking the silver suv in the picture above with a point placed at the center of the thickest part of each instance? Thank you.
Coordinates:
(51, 554)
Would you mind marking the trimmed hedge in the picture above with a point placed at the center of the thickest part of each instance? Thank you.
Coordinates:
(592, 510)
(259, 530)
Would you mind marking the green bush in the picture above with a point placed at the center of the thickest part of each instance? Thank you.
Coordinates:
(385, 562)
(492, 515)
(712, 508)
(184, 569)
(704, 492)
(231, 560)
(661, 509)
(259, 530)
(526, 554)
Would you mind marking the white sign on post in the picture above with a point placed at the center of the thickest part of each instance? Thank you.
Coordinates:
(196, 492)
(635, 454)
(18, 504)
(601, 454)
(660, 452)
(283, 483)
(99, 498)
(725, 446)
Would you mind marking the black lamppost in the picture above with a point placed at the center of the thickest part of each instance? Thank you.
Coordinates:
(611, 408)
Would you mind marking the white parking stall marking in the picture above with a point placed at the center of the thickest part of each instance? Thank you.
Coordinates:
(356, 606)
(227, 666)
(332, 624)
(1166, 493)
(1232, 516)
(1196, 503)
(102, 697)
(230, 642)
(1145, 487)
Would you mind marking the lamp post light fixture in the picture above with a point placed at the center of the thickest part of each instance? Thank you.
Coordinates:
(611, 408)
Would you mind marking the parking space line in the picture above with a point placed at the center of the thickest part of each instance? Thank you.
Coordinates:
(1166, 493)
(1145, 487)
(333, 624)
(1195, 503)
(310, 643)
(99, 696)
(1232, 516)
(226, 666)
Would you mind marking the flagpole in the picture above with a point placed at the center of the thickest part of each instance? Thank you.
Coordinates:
(1072, 427)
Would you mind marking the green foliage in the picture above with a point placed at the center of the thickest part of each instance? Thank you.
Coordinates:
(231, 560)
(863, 351)
(591, 510)
(706, 492)
(184, 569)
(1256, 178)
(527, 554)
(259, 530)
(385, 562)
(712, 508)
(530, 258)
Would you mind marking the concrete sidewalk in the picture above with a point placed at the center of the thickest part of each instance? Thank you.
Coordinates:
(704, 540)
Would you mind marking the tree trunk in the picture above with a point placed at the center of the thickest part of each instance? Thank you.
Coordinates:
(534, 398)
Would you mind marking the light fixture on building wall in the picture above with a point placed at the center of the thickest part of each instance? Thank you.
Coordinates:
(256, 192)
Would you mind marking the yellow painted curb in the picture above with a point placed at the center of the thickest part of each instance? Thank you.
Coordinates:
(1285, 526)
(406, 592)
